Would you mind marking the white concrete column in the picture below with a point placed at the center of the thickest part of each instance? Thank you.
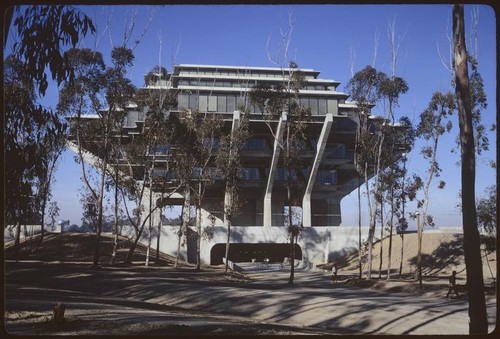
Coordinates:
(227, 195)
(268, 217)
(320, 148)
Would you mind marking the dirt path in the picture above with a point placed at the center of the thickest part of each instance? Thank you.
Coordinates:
(154, 301)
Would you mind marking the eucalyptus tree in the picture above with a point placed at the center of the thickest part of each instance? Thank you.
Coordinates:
(273, 102)
(208, 129)
(102, 94)
(486, 207)
(44, 31)
(229, 166)
(475, 284)
(184, 159)
(393, 178)
(146, 151)
(433, 124)
(195, 138)
(364, 89)
(48, 157)
(32, 134)
(390, 90)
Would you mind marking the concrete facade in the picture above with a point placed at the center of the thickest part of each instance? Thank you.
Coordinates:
(319, 244)
(327, 174)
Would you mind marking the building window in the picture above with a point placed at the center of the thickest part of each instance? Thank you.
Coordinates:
(313, 103)
(322, 106)
(250, 174)
(183, 101)
(193, 101)
(221, 103)
(212, 103)
(203, 102)
(256, 144)
(327, 177)
(332, 106)
(231, 103)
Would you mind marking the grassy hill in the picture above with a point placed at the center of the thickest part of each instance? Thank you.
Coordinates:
(80, 247)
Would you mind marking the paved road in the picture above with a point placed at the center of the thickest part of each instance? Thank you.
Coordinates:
(312, 304)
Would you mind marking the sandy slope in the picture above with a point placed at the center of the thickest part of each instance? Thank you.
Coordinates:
(441, 254)
(27, 314)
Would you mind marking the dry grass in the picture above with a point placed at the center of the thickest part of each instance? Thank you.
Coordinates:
(442, 253)
(79, 248)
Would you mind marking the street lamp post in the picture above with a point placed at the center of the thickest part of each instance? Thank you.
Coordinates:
(419, 257)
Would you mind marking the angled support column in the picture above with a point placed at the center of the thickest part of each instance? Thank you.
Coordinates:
(268, 219)
(92, 160)
(320, 148)
(227, 196)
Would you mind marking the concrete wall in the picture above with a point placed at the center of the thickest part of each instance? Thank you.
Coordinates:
(318, 244)
(9, 233)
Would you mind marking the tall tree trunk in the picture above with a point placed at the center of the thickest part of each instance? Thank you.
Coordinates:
(138, 233)
(371, 229)
(228, 207)
(381, 239)
(98, 226)
(373, 219)
(115, 224)
(360, 256)
(17, 242)
(150, 226)
(472, 246)
(42, 223)
(160, 225)
(198, 236)
(391, 224)
(402, 254)
(292, 233)
(291, 228)
(185, 221)
(403, 192)
(292, 255)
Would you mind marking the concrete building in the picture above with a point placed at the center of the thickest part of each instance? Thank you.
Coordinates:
(327, 174)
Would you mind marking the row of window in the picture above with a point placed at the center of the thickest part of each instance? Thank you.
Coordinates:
(240, 84)
(335, 151)
(323, 177)
(231, 102)
(247, 72)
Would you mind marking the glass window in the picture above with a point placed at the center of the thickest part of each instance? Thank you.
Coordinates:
(193, 101)
(231, 103)
(182, 100)
(332, 106)
(313, 103)
(322, 106)
(212, 103)
(326, 177)
(203, 103)
(221, 103)
(241, 101)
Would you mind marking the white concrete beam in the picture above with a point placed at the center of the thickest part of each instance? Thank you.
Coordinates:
(268, 219)
(320, 148)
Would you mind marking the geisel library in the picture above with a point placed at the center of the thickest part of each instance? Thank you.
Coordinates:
(327, 176)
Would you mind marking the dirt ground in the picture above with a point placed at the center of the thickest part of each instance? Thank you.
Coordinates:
(441, 254)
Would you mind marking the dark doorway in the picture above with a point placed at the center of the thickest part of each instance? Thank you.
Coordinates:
(247, 252)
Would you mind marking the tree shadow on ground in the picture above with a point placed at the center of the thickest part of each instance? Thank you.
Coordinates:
(442, 259)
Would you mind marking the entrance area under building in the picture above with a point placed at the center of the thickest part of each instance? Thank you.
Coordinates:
(253, 252)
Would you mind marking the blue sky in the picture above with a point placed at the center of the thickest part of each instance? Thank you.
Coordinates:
(323, 38)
